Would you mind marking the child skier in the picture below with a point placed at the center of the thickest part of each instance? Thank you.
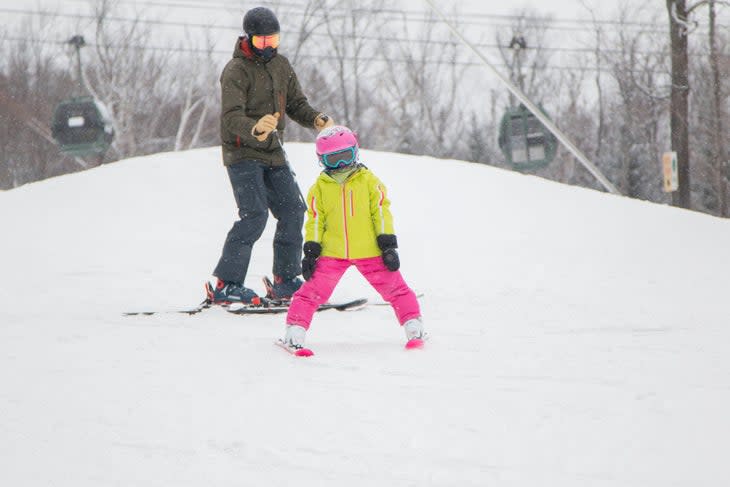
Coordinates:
(348, 223)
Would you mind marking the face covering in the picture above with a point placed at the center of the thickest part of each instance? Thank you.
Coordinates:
(264, 46)
(266, 54)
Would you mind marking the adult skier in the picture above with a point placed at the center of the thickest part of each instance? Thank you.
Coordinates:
(258, 87)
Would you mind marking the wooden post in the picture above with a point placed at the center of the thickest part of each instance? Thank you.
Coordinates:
(679, 120)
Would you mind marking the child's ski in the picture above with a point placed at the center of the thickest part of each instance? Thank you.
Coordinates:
(296, 351)
(412, 344)
(415, 343)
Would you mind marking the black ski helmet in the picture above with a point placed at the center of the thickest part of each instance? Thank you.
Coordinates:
(260, 21)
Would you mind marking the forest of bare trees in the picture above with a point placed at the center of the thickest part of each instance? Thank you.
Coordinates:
(399, 79)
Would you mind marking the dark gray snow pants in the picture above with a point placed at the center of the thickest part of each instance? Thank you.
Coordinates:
(258, 188)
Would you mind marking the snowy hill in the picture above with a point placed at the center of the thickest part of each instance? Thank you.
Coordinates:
(578, 339)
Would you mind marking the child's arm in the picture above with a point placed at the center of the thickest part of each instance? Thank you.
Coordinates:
(314, 227)
(383, 223)
(313, 230)
(380, 208)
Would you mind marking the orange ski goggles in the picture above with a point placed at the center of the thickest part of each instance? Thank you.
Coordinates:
(262, 42)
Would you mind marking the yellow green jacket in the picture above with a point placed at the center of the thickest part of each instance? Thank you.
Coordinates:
(346, 218)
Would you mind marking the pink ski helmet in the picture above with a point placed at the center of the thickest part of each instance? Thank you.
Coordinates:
(337, 147)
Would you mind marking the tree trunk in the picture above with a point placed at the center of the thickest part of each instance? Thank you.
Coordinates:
(717, 136)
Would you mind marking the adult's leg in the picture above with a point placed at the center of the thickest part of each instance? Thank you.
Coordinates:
(286, 205)
(317, 290)
(249, 190)
(391, 286)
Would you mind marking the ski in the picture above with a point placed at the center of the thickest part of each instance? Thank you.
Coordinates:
(263, 305)
(190, 311)
(415, 343)
(296, 351)
(412, 344)
(278, 308)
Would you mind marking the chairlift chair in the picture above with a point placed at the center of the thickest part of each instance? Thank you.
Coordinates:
(82, 127)
(525, 141)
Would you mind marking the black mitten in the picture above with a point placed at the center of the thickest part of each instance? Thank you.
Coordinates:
(388, 244)
(309, 262)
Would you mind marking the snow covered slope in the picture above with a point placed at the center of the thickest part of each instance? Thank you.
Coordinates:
(578, 339)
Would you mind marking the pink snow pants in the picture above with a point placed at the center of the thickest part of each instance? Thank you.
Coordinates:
(318, 289)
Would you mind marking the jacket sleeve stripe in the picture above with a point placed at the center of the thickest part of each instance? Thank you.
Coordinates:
(315, 217)
(380, 209)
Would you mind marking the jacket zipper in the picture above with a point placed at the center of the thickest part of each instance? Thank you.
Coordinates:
(344, 215)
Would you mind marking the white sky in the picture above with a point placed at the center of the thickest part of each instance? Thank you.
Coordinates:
(563, 9)
(225, 17)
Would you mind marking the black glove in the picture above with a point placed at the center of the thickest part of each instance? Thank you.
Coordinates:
(309, 262)
(388, 244)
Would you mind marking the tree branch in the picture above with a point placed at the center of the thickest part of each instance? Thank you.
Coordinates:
(706, 2)
(686, 26)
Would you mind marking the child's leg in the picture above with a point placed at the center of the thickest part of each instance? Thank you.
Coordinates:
(316, 290)
(391, 287)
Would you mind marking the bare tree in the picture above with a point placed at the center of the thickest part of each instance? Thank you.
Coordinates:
(31, 84)
(720, 155)
(710, 178)
(132, 80)
(713, 108)
(599, 35)
(522, 47)
(424, 84)
(574, 115)
(641, 105)
(308, 23)
(199, 108)
(346, 23)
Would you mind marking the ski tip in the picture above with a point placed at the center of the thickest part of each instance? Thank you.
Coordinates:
(297, 352)
(414, 344)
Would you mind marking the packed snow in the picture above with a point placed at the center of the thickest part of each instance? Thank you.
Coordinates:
(577, 339)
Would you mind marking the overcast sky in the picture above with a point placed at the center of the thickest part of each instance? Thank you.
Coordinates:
(224, 16)
(228, 13)
(558, 8)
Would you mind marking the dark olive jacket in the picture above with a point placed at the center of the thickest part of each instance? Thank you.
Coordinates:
(251, 88)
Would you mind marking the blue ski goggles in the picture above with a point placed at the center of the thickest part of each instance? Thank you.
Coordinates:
(340, 158)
